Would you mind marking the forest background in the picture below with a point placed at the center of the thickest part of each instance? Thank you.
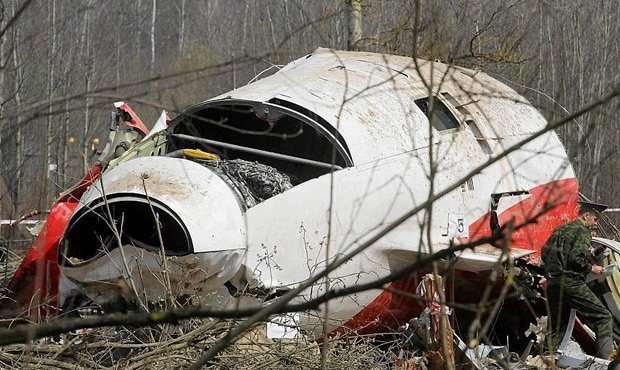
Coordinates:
(63, 62)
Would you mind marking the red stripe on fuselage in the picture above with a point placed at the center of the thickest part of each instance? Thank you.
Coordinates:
(560, 197)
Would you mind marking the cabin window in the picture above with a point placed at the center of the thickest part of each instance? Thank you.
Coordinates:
(482, 141)
(441, 118)
(456, 105)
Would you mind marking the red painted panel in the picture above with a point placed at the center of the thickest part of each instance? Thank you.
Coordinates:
(33, 289)
(559, 197)
(135, 122)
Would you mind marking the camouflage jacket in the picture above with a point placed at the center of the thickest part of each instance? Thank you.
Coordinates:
(565, 252)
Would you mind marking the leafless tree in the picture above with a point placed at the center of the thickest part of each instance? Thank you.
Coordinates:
(63, 62)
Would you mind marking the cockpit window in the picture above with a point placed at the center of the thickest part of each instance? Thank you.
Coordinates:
(275, 134)
(442, 118)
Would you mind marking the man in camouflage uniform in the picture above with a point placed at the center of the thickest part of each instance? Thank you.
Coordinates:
(565, 260)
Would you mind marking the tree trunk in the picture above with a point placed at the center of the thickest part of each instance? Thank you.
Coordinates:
(354, 13)
(138, 25)
(244, 50)
(50, 91)
(2, 128)
(153, 17)
(273, 35)
(65, 142)
(182, 28)
(88, 58)
(289, 28)
(19, 155)
(118, 49)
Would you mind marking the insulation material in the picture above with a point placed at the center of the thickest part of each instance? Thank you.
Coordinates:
(255, 181)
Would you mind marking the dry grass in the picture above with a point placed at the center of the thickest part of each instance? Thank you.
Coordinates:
(176, 347)
(179, 346)
(8, 267)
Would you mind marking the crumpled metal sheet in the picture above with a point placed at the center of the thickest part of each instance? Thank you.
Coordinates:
(107, 278)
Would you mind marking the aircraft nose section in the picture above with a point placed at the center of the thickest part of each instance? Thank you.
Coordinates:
(111, 249)
(155, 202)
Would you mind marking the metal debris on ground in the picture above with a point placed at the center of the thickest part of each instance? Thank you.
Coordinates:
(539, 330)
(573, 357)
(425, 332)
(421, 346)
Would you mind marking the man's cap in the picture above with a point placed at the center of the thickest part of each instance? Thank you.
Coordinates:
(592, 207)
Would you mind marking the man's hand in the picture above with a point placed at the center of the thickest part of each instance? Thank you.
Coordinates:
(597, 270)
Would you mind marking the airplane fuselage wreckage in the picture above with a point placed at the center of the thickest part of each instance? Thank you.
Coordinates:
(253, 192)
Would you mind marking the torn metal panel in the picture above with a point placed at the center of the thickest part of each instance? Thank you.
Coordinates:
(115, 274)
(160, 125)
(485, 257)
(573, 357)
(130, 118)
(608, 243)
